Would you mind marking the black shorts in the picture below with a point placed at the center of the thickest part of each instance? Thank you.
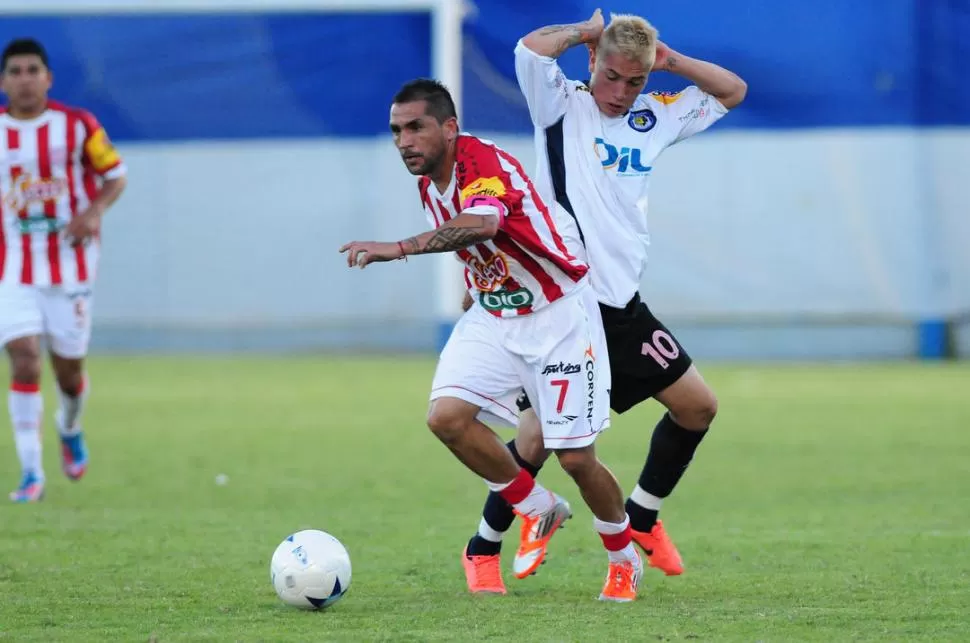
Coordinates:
(645, 357)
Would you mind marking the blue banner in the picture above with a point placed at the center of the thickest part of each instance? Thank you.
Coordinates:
(189, 77)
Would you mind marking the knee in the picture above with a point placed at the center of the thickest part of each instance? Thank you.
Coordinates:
(528, 441)
(707, 408)
(70, 376)
(577, 462)
(698, 413)
(448, 421)
(25, 364)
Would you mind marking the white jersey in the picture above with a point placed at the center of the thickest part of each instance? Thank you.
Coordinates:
(597, 167)
(527, 265)
(50, 170)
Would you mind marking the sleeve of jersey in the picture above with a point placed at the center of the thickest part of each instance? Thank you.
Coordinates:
(99, 152)
(543, 84)
(489, 191)
(687, 112)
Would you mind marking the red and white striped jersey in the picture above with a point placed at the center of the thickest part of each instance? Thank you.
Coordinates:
(51, 168)
(527, 265)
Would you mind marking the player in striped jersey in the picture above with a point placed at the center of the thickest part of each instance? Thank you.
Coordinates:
(535, 325)
(596, 143)
(58, 175)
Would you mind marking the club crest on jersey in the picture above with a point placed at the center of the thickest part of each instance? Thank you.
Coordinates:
(488, 276)
(642, 120)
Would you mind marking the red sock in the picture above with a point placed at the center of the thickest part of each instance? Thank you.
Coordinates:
(519, 489)
(616, 542)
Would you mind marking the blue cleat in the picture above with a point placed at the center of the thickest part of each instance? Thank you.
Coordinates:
(31, 489)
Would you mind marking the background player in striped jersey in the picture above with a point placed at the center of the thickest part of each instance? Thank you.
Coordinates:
(536, 325)
(596, 142)
(58, 175)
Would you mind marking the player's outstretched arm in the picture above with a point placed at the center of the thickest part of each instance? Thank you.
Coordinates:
(726, 86)
(553, 40)
(459, 233)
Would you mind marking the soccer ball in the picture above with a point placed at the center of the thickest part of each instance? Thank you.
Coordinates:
(310, 570)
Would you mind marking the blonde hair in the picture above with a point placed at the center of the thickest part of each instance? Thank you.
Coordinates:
(630, 36)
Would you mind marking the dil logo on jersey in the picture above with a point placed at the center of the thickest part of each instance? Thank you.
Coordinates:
(625, 160)
(488, 276)
(25, 191)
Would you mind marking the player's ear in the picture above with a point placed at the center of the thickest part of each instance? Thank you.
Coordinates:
(451, 129)
(592, 56)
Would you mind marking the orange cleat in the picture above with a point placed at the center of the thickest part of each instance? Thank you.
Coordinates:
(483, 573)
(660, 550)
(622, 580)
(535, 535)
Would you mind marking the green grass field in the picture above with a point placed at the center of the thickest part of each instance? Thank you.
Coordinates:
(830, 503)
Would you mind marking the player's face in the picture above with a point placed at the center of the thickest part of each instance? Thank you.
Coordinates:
(616, 83)
(26, 81)
(419, 137)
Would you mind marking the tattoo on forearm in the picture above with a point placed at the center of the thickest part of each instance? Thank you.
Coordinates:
(569, 36)
(410, 246)
(671, 62)
(448, 239)
(551, 29)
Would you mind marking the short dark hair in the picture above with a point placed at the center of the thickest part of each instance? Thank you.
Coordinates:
(23, 47)
(440, 103)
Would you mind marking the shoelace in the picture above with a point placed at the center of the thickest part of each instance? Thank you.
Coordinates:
(618, 575)
(487, 574)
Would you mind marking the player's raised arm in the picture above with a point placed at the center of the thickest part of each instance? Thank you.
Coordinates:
(552, 41)
(541, 80)
(726, 86)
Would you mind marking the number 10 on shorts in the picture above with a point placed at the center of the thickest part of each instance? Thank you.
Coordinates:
(661, 347)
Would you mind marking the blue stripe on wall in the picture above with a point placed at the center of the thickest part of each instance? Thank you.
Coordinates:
(825, 63)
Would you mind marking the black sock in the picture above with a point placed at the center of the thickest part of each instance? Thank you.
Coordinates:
(498, 513)
(671, 449)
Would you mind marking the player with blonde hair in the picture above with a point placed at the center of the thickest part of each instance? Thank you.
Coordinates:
(596, 143)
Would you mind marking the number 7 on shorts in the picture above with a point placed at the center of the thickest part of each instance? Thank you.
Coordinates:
(563, 388)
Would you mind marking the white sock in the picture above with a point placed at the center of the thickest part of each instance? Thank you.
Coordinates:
(623, 555)
(537, 501)
(485, 531)
(70, 412)
(646, 500)
(607, 529)
(26, 407)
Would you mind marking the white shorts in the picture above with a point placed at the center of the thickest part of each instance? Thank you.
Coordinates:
(62, 314)
(557, 354)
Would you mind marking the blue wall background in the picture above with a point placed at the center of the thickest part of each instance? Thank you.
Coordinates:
(824, 218)
(809, 64)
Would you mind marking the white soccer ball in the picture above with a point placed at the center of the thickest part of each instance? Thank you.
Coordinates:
(310, 570)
